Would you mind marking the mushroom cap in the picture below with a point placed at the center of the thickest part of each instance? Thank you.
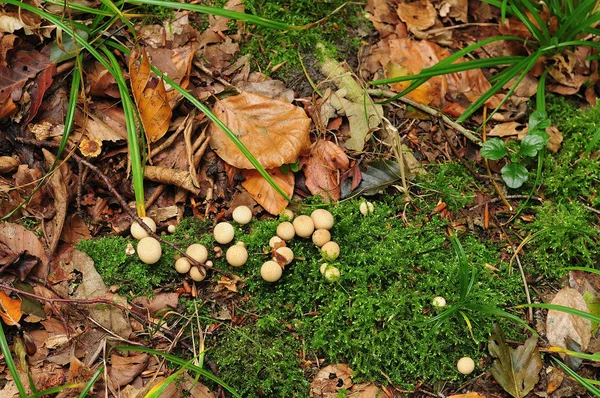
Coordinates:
(438, 301)
(224, 233)
(323, 267)
(332, 274)
(287, 214)
(171, 228)
(197, 273)
(304, 226)
(320, 237)
(182, 265)
(242, 215)
(274, 240)
(286, 253)
(322, 219)
(465, 365)
(236, 255)
(366, 208)
(149, 250)
(286, 230)
(198, 252)
(138, 232)
(330, 250)
(271, 271)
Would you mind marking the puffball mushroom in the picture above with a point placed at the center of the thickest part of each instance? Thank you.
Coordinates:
(149, 250)
(171, 228)
(304, 226)
(286, 230)
(224, 233)
(198, 252)
(242, 215)
(330, 250)
(197, 273)
(465, 365)
(332, 274)
(271, 271)
(286, 253)
(182, 265)
(236, 255)
(439, 302)
(323, 267)
(322, 219)
(320, 237)
(366, 208)
(138, 232)
(287, 214)
(275, 240)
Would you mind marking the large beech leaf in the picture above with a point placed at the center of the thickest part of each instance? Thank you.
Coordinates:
(323, 168)
(516, 370)
(152, 101)
(274, 131)
(25, 244)
(561, 326)
(264, 193)
(10, 309)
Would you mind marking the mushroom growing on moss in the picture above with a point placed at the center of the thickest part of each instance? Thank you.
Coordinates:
(197, 273)
(236, 255)
(182, 265)
(330, 250)
(286, 253)
(304, 226)
(198, 252)
(271, 271)
(224, 233)
(332, 274)
(465, 365)
(322, 219)
(276, 241)
(320, 237)
(366, 208)
(138, 232)
(242, 215)
(286, 230)
(149, 250)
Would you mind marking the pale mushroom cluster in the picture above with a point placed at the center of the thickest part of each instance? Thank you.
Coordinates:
(316, 226)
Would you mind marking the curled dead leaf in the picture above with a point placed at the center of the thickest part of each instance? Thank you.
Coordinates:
(330, 380)
(323, 168)
(274, 131)
(264, 193)
(561, 325)
(10, 309)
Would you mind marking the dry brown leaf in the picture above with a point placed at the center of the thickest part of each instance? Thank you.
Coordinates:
(152, 101)
(555, 378)
(10, 309)
(468, 395)
(365, 390)
(274, 131)
(228, 283)
(507, 129)
(75, 229)
(20, 240)
(60, 181)
(561, 325)
(8, 163)
(323, 168)
(124, 369)
(384, 19)
(418, 16)
(456, 9)
(330, 380)
(264, 193)
(159, 302)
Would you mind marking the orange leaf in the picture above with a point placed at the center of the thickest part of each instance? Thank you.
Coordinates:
(468, 395)
(264, 193)
(152, 101)
(276, 132)
(322, 170)
(10, 309)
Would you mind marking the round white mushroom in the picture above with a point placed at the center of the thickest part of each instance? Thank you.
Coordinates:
(242, 215)
(271, 271)
(198, 252)
(149, 250)
(330, 250)
(439, 302)
(197, 273)
(275, 240)
(182, 265)
(286, 253)
(304, 226)
(465, 365)
(366, 208)
(322, 219)
(320, 237)
(286, 230)
(332, 274)
(287, 214)
(140, 233)
(236, 255)
(171, 228)
(224, 233)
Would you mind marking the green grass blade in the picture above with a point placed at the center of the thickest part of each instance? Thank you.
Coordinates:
(568, 310)
(10, 363)
(585, 269)
(182, 362)
(542, 28)
(588, 386)
(117, 12)
(590, 357)
(91, 383)
(77, 7)
(453, 68)
(466, 274)
(157, 390)
(498, 312)
(240, 16)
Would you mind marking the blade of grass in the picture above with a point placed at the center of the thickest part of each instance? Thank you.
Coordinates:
(179, 361)
(498, 312)
(585, 269)
(466, 275)
(592, 389)
(10, 363)
(568, 310)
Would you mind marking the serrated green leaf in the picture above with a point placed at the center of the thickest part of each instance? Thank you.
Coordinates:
(493, 149)
(531, 145)
(514, 175)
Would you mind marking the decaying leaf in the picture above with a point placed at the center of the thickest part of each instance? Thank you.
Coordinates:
(274, 131)
(330, 380)
(561, 325)
(376, 177)
(23, 242)
(468, 395)
(124, 369)
(417, 15)
(264, 193)
(10, 309)
(8, 163)
(323, 168)
(516, 370)
(152, 101)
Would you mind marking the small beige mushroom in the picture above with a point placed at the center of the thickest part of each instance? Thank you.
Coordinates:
(271, 271)
(197, 273)
(332, 274)
(224, 233)
(304, 226)
(322, 219)
(286, 253)
(275, 240)
(182, 265)
(242, 215)
(465, 365)
(198, 252)
(236, 255)
(366, 208)
(330, 250)
(138, 232)
(286, 230)
(171, 228)
(149, 250)
(320, 237)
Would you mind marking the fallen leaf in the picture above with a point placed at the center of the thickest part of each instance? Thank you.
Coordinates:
(29, 305)
(330, 380)
(263, 192)
(376, 177)
(8, 163)
(10, 309)
(75, 229)
(456, 9)
(100, 82)
(221, 24)
(516, 370)
(123, 370)
(323, 168)
(508, 129)
(418, 15)
(274, 131)
(468, 395)
(159, 302)
(22, 241)
(42, 82)
(228, 283)
(560, 325)
(60, 181)
(151, 99)
(555, 378)
(366, 390)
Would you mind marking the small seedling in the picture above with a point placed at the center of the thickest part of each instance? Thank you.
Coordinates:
(304, 226)
(271, 271)
(149, 250)
(242, 215)
(224, 233)
(138, 232)
(465, 365)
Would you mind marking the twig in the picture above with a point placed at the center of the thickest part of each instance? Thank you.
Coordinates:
(377, 92)
(525, 285)
(494, 200)
(123, 203)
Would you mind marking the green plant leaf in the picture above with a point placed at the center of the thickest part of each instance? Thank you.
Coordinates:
(531, 145)
(583, 381)
(493, 149)
(538, 120)
(514, 175)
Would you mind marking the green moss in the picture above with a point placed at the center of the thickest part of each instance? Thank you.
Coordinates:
(449, 182)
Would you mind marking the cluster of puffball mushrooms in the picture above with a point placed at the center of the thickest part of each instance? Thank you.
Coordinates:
(317, 226)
